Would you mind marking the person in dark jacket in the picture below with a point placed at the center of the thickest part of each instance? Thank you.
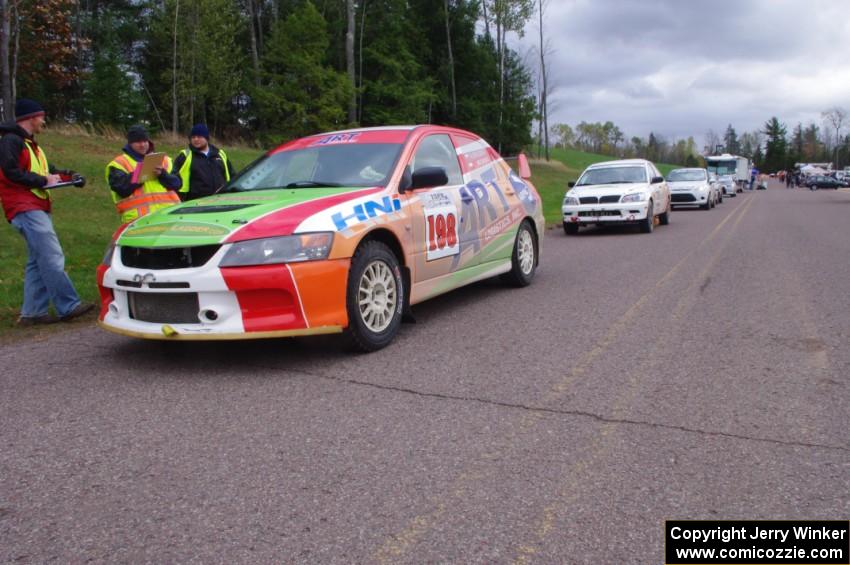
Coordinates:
(204, 168)
(25, 178)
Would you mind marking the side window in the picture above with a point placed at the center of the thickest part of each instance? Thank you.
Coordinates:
(438, 151)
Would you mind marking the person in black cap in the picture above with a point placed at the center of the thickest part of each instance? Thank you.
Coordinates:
(134, 199)
(203, 167)
(25, 177)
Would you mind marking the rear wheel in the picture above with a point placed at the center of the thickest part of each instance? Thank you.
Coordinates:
(374, 297)
(524, 257)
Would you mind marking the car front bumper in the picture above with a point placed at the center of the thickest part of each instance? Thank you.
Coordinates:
(689, 197)
(615, 213)
(208, 302)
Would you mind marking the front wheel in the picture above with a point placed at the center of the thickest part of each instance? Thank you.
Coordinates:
(649, 222)
(524, 257)
(570, 229)
(664, 219)
(374, 297)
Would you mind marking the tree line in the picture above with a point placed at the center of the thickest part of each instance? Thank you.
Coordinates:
(608, 139)
(773, 148)
(266, 70)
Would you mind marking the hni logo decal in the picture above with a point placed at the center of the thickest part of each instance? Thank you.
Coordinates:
(369, 209)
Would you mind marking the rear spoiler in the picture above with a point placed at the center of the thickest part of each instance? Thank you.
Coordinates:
(522, 165)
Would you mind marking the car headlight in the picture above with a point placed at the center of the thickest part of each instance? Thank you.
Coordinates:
(273, 250)
(570, 201)
(636, 197)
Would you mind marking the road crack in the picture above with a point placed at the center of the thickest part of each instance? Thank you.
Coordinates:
(576, 413)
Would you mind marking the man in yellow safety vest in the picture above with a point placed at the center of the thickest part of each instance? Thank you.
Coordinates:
(25, 177)
(203, 167)
(134, 199)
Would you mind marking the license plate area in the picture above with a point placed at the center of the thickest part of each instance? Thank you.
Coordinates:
(164, 307)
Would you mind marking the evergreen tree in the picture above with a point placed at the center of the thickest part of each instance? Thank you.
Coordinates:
(300, 94)
(777, 145)
(730, 139)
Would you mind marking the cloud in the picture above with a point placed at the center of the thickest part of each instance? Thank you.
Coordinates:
(681, 68)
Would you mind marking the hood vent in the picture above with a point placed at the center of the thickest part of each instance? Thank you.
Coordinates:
(211, 209)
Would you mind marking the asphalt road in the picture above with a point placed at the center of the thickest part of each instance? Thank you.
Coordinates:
(702, 371)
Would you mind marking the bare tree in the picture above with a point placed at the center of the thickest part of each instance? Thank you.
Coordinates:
(835, 117)
(360, 55)
(451, 61)
(174, 72)
(252, 32)
(6, 77)
(712, 140)
(544, 94)
(349, 60)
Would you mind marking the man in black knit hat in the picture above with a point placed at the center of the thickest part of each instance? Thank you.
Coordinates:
(203, 167)
(25, 177)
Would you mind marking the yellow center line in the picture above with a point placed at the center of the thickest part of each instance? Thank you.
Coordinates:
(398, 544)
(568, 491)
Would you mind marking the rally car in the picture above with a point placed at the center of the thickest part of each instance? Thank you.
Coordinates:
(334, 233)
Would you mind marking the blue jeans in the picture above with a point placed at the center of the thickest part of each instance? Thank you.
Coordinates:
(45, 279)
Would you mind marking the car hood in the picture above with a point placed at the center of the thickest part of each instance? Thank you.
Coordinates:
(600, 190)
(237, 216)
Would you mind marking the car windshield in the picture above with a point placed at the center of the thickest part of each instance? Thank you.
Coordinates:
(722, 167)
(685, 175)
(348, 165)
(612, 175)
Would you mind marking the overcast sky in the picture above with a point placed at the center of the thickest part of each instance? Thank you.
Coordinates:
(679, 68)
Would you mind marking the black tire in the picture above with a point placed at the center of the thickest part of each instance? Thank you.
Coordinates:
(664, 219)
(706, 206)
(720, 197)
(648, 223)
(523, 265)
(570, 229)
(376, 269)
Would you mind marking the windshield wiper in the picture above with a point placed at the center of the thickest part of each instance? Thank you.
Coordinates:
(623, 182)
(312, 184)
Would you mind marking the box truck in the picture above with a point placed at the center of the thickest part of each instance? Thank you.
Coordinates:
(733, 171)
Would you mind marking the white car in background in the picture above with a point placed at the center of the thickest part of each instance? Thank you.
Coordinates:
(631, 191)
(693, 187)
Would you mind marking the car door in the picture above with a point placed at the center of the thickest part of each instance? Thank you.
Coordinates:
(659, 203)
(437, 212)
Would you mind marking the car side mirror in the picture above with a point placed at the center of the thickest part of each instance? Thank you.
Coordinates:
(656, 180)
(429, 177)
(571, 184)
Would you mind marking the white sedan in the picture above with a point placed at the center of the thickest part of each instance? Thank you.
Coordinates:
(693, 187)
(631, 191)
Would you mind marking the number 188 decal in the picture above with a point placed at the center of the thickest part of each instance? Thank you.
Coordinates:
(441, 231)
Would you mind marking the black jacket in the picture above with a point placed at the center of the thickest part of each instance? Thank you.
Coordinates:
(206, 173)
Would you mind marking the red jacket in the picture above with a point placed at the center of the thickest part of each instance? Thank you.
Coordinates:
(16, 177)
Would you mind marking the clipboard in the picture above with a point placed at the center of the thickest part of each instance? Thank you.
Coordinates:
(144, 172)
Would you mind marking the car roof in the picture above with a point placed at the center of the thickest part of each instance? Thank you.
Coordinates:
(689, 169)
(620, 163)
